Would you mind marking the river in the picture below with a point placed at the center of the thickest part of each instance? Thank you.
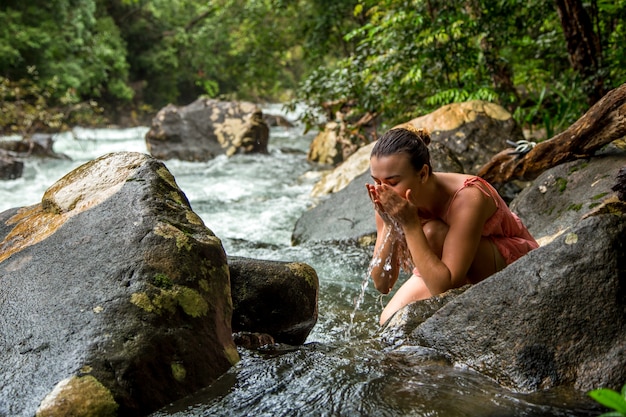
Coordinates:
(252, 203)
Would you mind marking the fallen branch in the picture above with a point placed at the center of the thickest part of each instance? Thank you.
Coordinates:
(603, 123)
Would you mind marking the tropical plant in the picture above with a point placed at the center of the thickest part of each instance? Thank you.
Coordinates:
(611, 399)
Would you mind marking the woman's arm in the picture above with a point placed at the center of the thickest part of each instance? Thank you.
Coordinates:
(467, 215)
(384, 266)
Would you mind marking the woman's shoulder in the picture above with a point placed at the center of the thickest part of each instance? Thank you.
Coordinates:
(453, 181)
(471, 194)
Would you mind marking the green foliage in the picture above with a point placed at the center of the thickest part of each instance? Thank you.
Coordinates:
(66, 41)
(29, 105)
(611, 399)
(415, 56)
(398, 59)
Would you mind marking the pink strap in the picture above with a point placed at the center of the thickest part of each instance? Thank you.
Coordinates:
(479, 182)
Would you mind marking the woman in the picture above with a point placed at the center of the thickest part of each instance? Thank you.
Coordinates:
(450, 229)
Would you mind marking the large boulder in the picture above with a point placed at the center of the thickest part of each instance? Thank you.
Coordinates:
(274, 298)
(474, 131)
(556, 316)
(207, 128)
(114, 295)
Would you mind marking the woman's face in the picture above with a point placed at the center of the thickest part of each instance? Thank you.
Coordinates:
(395, 171)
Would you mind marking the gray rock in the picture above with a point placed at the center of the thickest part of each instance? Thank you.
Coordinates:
(206, 128)
(555, 317)
(274, 298)
(347, 215)
(559, 197)
(10, 167)
(113, 292)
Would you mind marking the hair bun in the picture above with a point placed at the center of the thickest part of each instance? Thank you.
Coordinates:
(420, 132)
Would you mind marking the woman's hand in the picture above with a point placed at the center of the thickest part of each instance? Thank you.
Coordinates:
(392, 207)
(373, 193)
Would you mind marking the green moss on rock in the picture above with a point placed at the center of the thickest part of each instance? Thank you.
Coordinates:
(304, 271)
(81, 396)
(168, 231)
(167, 176)
(190, 300)
(192, 303)
(178, 371)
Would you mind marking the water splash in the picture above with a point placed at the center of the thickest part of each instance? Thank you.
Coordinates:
(395, 237)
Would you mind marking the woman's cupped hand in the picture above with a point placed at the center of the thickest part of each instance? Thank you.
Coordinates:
(391, 206)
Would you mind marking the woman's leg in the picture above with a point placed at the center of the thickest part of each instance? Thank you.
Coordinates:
(413, 289)
(487, 261)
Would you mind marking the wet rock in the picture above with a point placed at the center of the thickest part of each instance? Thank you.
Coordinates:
(253, 340)
(206, 128)
(10, 167)
(407, 319)
(112, 286)
(276, 298)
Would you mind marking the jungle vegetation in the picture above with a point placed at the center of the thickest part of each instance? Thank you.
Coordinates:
(65, 62)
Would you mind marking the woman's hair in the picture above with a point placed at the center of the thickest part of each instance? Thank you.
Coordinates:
(406, 139)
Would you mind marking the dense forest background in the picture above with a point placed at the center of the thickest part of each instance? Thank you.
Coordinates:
(67, 62)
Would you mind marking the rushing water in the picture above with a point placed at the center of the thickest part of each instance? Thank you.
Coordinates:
(252, 203)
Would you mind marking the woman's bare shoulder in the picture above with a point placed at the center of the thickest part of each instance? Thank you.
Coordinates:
(470, 201)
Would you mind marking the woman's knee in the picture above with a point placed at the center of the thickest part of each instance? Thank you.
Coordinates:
(436, 232)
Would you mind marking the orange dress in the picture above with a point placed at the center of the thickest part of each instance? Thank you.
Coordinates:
(503, 228)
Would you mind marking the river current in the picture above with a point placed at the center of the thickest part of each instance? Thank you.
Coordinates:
(252, 202)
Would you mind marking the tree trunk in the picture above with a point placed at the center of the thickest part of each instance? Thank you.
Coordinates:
(602, 124)
(583, 46)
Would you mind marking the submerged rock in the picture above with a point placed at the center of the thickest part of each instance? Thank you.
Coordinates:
(10, 167)
(112, 286)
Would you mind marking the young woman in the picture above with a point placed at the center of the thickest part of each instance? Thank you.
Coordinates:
(448, 229)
